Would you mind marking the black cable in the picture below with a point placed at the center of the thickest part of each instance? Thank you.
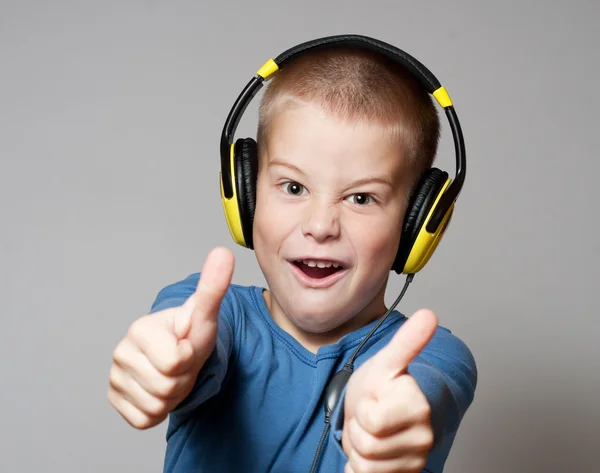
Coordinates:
(335, 387)
(409, 279)
(323, 436)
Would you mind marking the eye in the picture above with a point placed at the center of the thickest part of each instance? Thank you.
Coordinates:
(361, 199)
(293, 188)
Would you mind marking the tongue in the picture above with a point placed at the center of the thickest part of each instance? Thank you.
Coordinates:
(316, 272)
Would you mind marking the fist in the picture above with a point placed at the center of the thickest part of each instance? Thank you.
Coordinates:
(387, 425)
(156, 364)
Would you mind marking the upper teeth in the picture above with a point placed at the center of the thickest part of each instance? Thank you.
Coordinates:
(320, 264)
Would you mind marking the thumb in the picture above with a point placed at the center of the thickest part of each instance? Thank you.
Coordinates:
(204, 304)
(407, 343)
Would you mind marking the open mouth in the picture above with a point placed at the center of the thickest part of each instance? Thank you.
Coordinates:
(318, 269)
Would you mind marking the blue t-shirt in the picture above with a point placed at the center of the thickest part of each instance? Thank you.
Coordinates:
(257, 405)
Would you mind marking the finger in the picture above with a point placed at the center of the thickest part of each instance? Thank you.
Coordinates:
(402, 406)
(213, 284)
(131, 390)
(206, 301)
(158, 384)
(413, 463)
(129, 412)
(159, 345)
(346, 442)
(161, 386)
(407, 343)
(418, 439)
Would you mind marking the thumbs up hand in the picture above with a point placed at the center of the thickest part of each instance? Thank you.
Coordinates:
(387, 424)
(156, 364)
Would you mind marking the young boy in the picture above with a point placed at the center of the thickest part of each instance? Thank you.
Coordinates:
(240, 372)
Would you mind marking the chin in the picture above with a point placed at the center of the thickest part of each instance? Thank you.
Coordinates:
(318, 315)
(310, 322)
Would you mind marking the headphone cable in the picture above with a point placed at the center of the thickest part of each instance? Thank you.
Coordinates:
(409, 279)
(337, 384)
(323, 436)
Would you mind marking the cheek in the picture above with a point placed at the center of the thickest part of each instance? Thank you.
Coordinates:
(377, 241)
(272, 223)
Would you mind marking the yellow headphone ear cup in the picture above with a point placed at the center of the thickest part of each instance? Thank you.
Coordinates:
(239, 210)
(231, 205)
(415, 246)
(426, 243)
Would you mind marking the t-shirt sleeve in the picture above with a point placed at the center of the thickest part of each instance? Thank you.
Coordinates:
(447, 374)
(210, 377)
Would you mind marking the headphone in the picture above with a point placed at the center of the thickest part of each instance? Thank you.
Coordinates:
(431, 203)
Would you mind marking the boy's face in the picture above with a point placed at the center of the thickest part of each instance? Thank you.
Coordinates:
(329, 193)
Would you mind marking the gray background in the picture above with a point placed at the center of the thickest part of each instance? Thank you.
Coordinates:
(110, 115)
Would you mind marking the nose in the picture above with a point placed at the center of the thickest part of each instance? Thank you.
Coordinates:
(322, 221)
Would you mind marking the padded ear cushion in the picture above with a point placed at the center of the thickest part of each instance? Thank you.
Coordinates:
(420, 204)
(246, 172)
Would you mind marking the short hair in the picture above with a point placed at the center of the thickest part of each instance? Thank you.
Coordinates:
(358, 85)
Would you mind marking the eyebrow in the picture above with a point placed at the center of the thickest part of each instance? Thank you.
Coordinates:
(358, 182)
(277, 162)
(371, 180)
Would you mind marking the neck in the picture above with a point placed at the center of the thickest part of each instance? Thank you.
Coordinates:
(313, 341)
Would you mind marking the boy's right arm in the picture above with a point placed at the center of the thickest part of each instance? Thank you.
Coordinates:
(156, 364)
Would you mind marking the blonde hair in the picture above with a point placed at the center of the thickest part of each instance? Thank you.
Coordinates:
(358, 85)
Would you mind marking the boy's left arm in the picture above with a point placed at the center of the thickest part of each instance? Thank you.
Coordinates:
(406, 399)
